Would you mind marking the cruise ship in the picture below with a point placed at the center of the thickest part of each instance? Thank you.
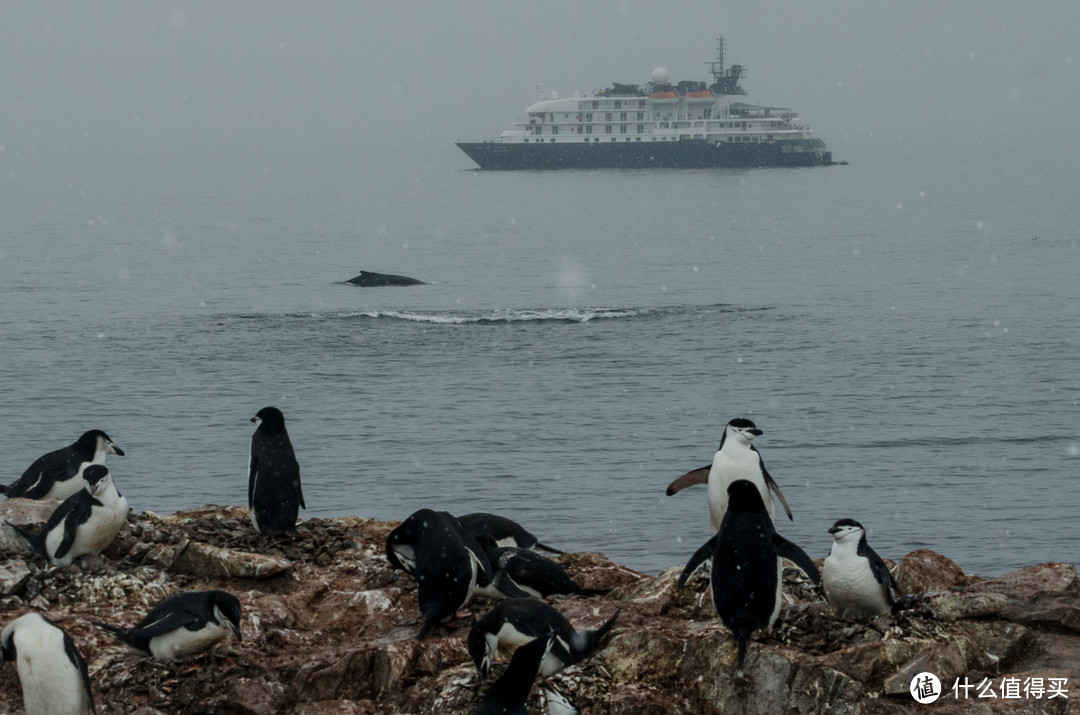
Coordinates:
(690, 124)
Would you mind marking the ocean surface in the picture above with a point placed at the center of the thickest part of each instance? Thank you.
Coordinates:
(905, 330)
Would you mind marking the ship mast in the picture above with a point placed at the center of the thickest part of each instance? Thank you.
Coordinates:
(724, 81)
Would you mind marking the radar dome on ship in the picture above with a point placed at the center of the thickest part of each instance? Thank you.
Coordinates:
(660, 76)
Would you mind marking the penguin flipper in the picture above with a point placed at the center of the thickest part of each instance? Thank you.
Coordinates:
(507, 587)
(880, 570)
(791, 552)
(700, 557)
(80, 664)
(545, 547)
(691, 478)
(775, 489)
(78, 514)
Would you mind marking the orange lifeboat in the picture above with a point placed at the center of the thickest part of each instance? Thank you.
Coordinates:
(663, 95)
(697, 95)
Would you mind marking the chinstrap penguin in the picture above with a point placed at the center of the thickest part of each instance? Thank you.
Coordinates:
(274, 493)
(84, 523)
(747, 569)
(445, 560)
(517, 621)
(735, 458)
(505, 532)
(857, 583)
(58, 474)
(51, 670)
(508, 695)
(529, 573)
(183, 624)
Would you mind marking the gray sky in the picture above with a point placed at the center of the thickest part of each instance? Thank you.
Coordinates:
(383, 77)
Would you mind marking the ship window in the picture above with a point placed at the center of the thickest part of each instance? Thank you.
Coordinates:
(641, 128)
(607, 129)
(618, 104)
(580, 129)
(627, 138)
(607, 116)
(614, 139)
(552, 139)
(637, 139)
(622, 129)
(588, 129)
(641, 116)
(622, 117)
(588, 116)
(596, 104)
(526, 141)
(555, 130)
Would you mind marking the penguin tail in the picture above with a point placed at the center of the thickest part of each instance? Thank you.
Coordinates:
(118, 632)
(3, 490)
(593, 591)
(584, 644)
(429, 623)
(905, 602)
(31, 538)
(741, 655)
(549, 549)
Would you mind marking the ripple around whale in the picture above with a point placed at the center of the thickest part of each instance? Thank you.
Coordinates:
(503, 315)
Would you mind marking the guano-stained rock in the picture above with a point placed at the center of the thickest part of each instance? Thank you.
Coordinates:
(329, 627)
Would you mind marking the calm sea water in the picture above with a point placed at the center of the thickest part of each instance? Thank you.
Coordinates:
(905, 332)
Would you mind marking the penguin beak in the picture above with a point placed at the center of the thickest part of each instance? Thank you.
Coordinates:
(116, 450)
(755, 431)
(834, 529)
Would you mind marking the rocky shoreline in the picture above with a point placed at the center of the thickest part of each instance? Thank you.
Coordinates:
(329, 627)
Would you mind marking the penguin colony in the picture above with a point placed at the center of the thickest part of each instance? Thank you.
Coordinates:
(453, 560)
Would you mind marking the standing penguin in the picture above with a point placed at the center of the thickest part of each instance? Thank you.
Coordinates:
(746, 565)
(52, 673)
(447, 563)
(84, 523)
(274, 493)
(856, 581)
(735, 458)
(183, 624)
(58, 474)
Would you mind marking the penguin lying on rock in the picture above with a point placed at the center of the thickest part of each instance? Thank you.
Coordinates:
(518, 621)
(505, 532)
(183, 624)
(84, 523)
(58, 474)
(528, 572)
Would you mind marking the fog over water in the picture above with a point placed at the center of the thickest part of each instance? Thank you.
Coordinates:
(185, 186)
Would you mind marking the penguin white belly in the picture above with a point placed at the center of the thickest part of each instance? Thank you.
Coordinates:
(851, 588)
(727, 469)
(182, 642)
(103, 525)
(51, 683)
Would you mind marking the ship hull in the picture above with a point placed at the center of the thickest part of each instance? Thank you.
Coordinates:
(685, 154)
